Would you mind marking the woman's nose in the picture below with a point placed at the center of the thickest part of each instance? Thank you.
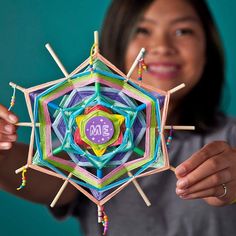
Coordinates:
(161, 45)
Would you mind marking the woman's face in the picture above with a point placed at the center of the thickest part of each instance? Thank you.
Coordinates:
(173, 36)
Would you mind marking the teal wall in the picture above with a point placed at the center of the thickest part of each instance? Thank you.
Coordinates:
(25, 27)
(224, 12)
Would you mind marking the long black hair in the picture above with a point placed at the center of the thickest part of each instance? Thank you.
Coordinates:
(200, 106)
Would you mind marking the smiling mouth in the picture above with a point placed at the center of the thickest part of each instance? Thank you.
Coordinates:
(162, 71)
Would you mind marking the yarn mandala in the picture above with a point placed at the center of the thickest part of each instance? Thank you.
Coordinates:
(97, 129)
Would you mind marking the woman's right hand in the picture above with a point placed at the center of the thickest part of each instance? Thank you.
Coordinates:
(7, 128)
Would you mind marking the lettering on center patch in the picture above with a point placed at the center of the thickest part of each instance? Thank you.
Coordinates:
(99, 129)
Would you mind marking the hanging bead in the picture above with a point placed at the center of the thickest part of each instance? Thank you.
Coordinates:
(103, 218)
(170, 138)
(141, 66)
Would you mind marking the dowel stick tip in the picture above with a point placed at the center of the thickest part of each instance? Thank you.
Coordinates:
(139, 189)
(21, 169)
(96, 41)
(61, 190)
(142, 50)
(47, 45)
(177, 88)
(140, 54)
(12, 84)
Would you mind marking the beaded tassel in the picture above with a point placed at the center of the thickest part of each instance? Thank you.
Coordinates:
(105, 223)
(103, 218)
(23, 183)
(13, 98)
(141, 66)
(170, 137)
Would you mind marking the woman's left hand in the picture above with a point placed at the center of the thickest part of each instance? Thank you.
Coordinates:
(210, 174)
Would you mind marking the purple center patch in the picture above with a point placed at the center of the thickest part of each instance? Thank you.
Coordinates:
(99, 129)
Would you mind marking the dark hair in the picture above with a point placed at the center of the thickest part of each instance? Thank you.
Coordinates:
(201, 105)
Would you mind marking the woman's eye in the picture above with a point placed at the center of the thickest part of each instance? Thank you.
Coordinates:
(182, 32)
(142, 30)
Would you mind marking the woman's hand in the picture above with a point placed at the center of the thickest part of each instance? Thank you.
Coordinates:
(7, 128)
(207, 172)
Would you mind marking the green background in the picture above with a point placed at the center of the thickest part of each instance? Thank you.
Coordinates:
(25, 27)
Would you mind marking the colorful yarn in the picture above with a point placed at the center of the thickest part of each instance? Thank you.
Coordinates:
(13, 98)
(129, 111)
(23, 183)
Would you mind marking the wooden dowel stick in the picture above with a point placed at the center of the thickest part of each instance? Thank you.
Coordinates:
(173, 90)
(29, 106)
(99, 214)
(136, 184)
(17, 87)
(151, 172)
(179, 127)
(148, 87)
(31, 147)
(80, 67)
(103, 59)
(45, 85)
(56, 59)
(21, 169)
(142, 51)
(27, 124)
(46, 171)
(96, 42)
(60, 191)
(51, 173)
(115, 192)
(82, 190)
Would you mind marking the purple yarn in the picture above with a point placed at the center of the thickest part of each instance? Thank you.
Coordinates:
(98, 194)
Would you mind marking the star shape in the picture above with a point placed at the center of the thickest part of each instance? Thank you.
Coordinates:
(99, 129)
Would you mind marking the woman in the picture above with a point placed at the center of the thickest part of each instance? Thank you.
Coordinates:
(182, 46)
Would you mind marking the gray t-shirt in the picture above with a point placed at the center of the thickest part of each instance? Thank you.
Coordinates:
(168, 215)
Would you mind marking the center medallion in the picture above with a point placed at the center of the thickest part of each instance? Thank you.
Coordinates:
(99, 129)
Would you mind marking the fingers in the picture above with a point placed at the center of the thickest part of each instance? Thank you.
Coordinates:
(7, 128)
(207, 173)
(216, 192)
(5, 145)
(209, 185)
(7, 115)
(208, 168)
(200, 157)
